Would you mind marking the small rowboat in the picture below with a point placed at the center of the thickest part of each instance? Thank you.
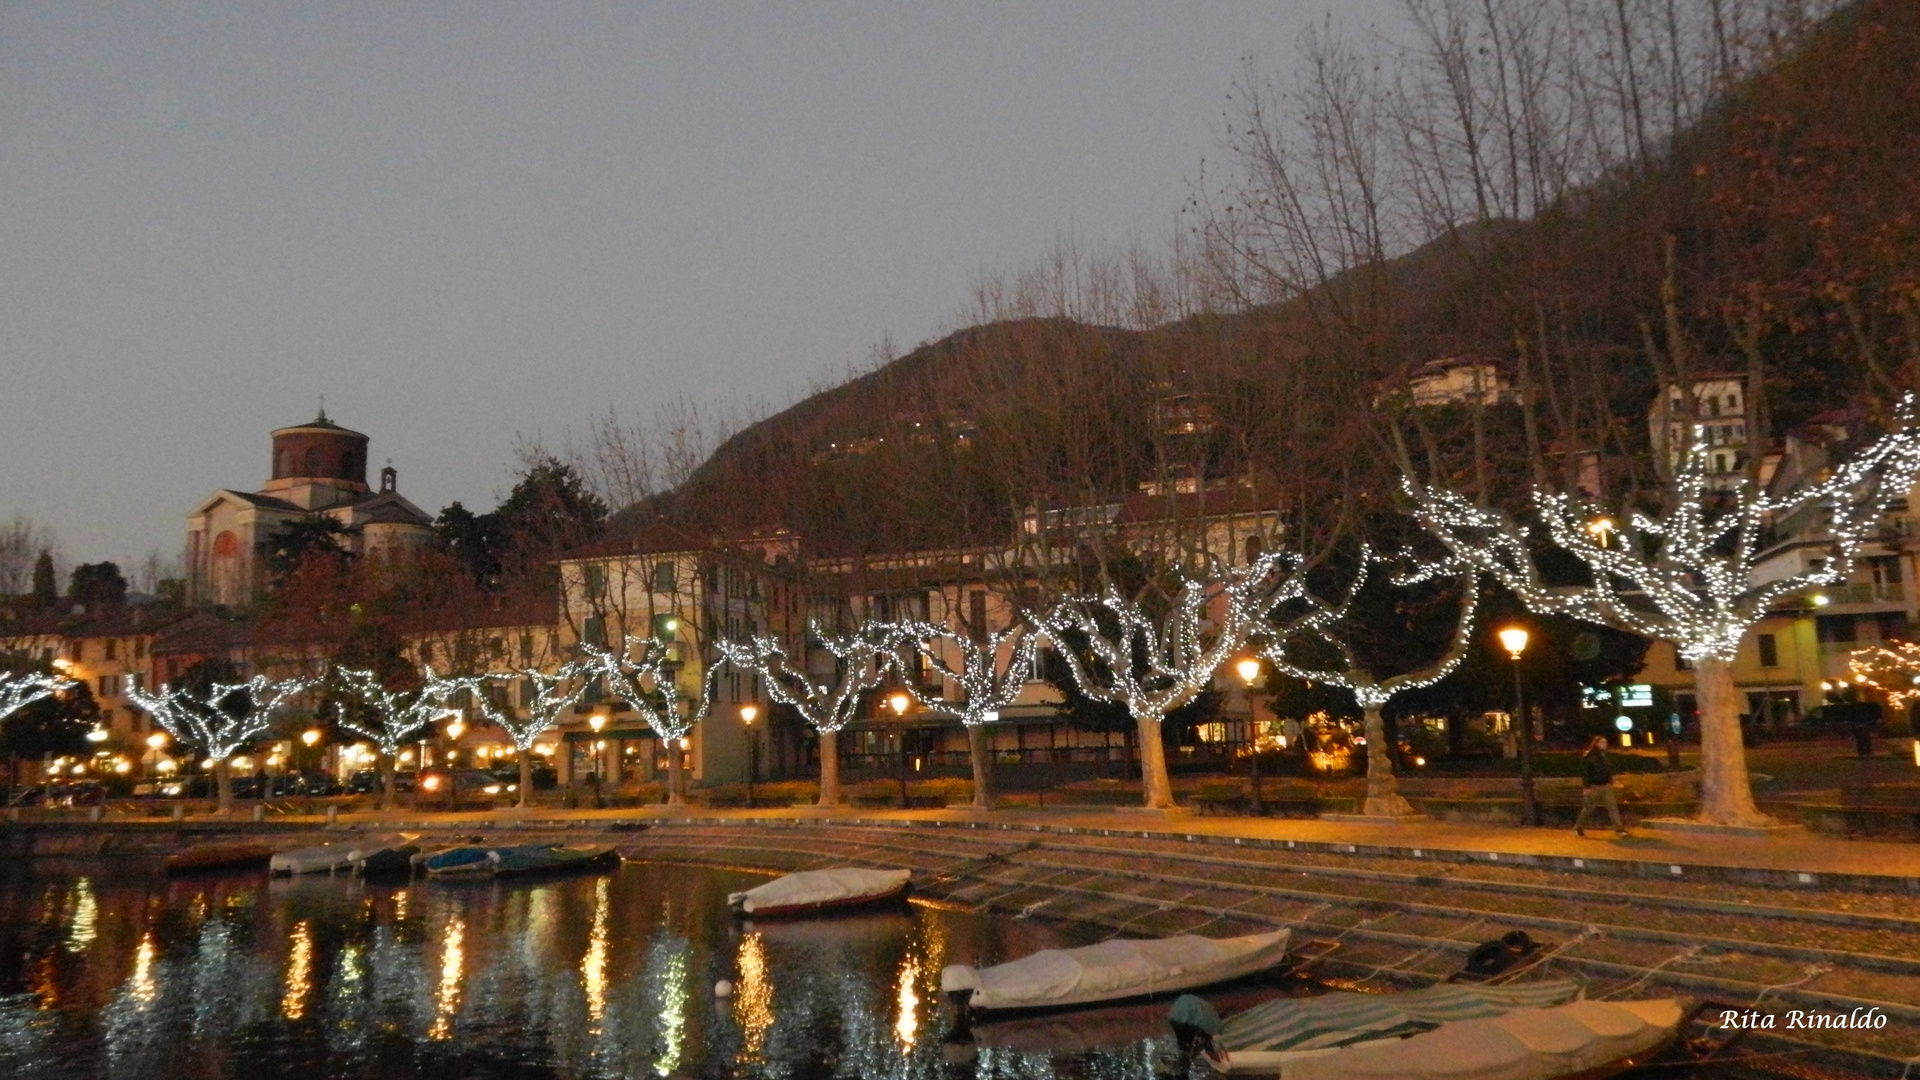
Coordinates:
(234, 855)
(1585, 1039)
(318, 859)
(811, 892)
(383, 858)
(1118, 970)
(550, 859)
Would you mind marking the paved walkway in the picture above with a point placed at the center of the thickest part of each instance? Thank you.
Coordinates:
(1794, 858)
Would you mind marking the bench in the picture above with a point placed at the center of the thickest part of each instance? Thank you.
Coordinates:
(1877, 808)
(1217, 797)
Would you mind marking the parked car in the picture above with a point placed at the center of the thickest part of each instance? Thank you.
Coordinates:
(367, 782)
(459, 785)
(545, 777)
(195, 786)
(312, 782)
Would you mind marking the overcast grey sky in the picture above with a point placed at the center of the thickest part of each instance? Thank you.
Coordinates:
(463, 221)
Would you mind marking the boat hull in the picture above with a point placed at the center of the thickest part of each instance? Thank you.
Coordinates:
(1111, 972)
(208, 858)
(821, 892)
(520, 863)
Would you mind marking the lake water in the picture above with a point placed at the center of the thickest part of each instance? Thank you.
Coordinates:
(109, 970)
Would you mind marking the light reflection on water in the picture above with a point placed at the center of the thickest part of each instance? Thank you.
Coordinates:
(113, 973)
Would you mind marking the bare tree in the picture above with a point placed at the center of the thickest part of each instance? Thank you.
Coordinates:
(222, 721)
(993, 669)
(1310, 619)
(825, 695)
(645, 674)
(392, 718)
(1687, 575)
(549, 695)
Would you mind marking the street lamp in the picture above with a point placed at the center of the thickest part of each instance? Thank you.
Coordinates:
(1514, 639)
(747, 714)
(596, 722)
(1249, 670)
(900, 702)
(156, 742)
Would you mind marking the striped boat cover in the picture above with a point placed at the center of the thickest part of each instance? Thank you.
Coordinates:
(1340, 1018)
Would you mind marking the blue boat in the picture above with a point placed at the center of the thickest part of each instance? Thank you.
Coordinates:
(551, 859)
(457, 860)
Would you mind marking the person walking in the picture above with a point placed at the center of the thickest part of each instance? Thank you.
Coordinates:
(1596, 787)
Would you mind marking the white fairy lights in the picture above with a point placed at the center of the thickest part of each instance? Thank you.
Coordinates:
(21, 689)
(552, 693)
(1153, 667)
(642, 674)
(826, 705)
(222, 723)
(991, 673)
(1893, 669)
(399, 714)
(1686, 576)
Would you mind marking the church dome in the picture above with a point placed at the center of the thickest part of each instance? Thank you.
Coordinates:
(320, 450)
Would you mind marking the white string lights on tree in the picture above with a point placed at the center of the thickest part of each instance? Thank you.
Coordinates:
(1893, 669)
(21, 689)
(1686, 576)
(1311, 617)
(645, 675)
(827, 705)
(1153, 667)
(221, 723)
(397, 716)
(552, 693)
(992, 671)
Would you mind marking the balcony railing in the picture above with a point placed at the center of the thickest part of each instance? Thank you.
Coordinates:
(1878, 592)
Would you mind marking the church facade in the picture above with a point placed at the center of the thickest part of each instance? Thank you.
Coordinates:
(319, 469)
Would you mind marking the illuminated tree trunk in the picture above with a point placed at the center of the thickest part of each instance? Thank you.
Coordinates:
(829, 768)
(676, 773)
(1156, 790)
(526, 778)
(979, 750)
(223, 785)
(1383, 787)
(389, 782)
(1726, 789)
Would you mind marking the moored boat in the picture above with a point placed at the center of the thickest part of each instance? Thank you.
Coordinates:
(1260, 1039)
(550, 859)
(315, 859)
(384, 857)
(1117, 970)
(811, 892)
(232, 855)
(1579, 1038)
(454, 861)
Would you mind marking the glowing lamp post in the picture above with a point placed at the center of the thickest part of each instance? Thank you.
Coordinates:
(747, 715)
(1249, 670)
(596, 722)
(1514, 640)
(900, 701)
(156, 742)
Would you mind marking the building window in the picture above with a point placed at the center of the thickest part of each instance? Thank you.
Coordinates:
(1835, 629)
(112, 648)
(977, 613)
(594, 631)
(663, 577)
(1680, 662)
(139, 648)
(595, 577)
(1769, 650)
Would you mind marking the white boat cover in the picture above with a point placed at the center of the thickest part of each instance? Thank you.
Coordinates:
(1257, 1037)
(1525, 1044)
(1112, 970)
(815, 888)
(317, 859)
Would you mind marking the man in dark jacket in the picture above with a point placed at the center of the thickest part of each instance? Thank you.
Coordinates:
(1596, 786)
